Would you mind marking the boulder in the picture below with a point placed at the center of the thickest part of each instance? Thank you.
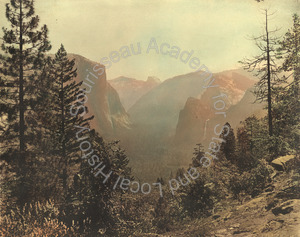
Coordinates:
(281, 163)
(284, 208)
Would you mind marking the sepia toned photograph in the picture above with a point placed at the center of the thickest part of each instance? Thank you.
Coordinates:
(147, 118)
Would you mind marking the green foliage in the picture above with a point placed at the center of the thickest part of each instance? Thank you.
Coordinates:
(168, 212)
(58, 136)
(251, 182)
(161, 218)
(37, 94)
(199, 197)
(198, 154)
(228, 145)
(245, 157)
(287, 103)
(90, 201)
(135, 214)
(24, 46)
(253, 142)
(289, 47)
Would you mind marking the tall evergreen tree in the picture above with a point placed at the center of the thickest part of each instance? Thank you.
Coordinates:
(257, 133)
(4, 105)
(58, 123)
(287, 106)
(93, 198)
(252, 141)
(264, 66)
(290, 49)
(24, 46)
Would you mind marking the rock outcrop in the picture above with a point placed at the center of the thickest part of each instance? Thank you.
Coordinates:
(103, 100)
(282, 163)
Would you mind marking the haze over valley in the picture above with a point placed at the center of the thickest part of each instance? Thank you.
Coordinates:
(160, 123)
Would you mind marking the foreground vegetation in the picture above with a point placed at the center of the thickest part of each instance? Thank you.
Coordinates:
(47, 189)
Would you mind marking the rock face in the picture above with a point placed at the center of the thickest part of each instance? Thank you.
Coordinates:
(103, 100)
(198, 118)
(281, 163)
(168, 119)
(154, 117)
(174, 116)
(192, 121)
(161, 106)
(131, 90)
(159, 109)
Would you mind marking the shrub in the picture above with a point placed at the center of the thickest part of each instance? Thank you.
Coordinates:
(198, 198)
(252, 182)
(34, 220)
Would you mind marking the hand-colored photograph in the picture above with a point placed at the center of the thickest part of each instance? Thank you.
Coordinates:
(149, 118)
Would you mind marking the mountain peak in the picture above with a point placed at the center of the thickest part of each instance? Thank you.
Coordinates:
(130, 90)
(153, 79)
(123, 79)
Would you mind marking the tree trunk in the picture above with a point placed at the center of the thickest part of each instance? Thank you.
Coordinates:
(21, 85)
(269, 81)
(63, 141)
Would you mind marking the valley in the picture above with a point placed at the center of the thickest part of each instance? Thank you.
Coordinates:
(159, 122)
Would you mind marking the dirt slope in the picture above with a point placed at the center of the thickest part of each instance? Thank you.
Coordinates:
(275, 212)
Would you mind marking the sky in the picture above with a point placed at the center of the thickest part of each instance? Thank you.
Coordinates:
(217, 31)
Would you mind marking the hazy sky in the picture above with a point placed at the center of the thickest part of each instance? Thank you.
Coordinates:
(216, 30)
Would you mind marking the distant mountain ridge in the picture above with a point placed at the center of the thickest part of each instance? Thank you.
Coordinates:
(162, 105)
(131, 90)
(165, 120)
(197, 114)
(173, 117)
(197, 121)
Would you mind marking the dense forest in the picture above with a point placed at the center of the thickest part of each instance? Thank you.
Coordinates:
(50, 187)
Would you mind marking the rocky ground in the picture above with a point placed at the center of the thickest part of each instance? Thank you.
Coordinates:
(275, 212)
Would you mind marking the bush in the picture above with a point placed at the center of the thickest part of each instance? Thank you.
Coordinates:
(252, 182)
(198, 198)
(34, 220)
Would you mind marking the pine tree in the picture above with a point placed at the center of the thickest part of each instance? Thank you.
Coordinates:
(93, 200)
(264, 66)
(252, 140)
(161, 215)
(290, 49)
(198, 198)
(58, 123)
(24, 46)
(228, 146)
(4, 106)
(198, 154)
(287, 105)
(244, 156)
